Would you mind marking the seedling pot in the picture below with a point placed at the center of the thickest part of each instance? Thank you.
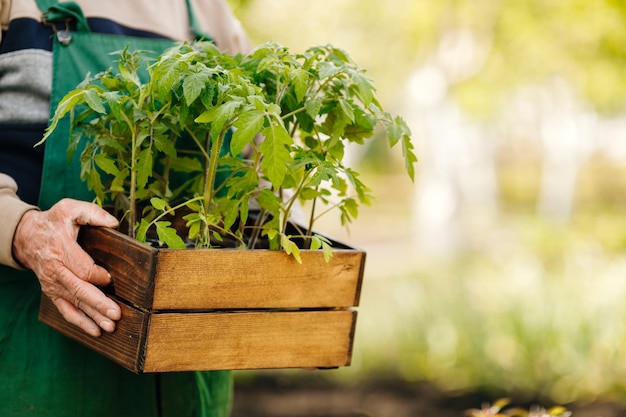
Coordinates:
(214, 309)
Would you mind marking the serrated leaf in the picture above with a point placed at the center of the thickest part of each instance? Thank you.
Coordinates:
(346, 109)
(106, 164)
(276, 154)
(94, 101)
(158, 203)
(218, 116)
(168, 235)
(248, 125)
(313, 107)
(268, 201)
(186, 164)
(316, 243)
(328, 250)
(327, 69)
(142, 230)
(164, 144)
(365, 87)
(144, 167)
(300, 79)
(193, 85)
(290, 248)
(67, 103)
(352, 207)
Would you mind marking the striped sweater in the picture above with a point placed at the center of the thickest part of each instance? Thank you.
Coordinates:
(25, 80)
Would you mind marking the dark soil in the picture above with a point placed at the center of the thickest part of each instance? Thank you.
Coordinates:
(275, 395)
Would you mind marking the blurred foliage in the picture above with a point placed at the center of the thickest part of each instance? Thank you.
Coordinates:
(531, 305)
(517, 41)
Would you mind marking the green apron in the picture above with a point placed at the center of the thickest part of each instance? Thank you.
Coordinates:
(43, 373)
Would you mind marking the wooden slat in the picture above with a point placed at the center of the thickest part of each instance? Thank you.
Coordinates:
(156, 279)
(250, 340)
(124, 346)
(232, 279)
(130, 263)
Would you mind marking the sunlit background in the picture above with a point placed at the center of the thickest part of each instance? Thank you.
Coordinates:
(503, 265)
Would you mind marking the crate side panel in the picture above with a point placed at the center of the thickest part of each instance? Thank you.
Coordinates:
(130, 263)
(250, 340)
(231, 279)
(124, 346)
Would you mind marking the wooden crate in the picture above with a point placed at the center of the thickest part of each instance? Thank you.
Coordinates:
(210, 309)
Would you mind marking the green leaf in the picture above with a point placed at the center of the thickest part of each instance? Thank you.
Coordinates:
(106, 164)
(290, 248)
(269, 201)
(313, 107)
(164, 144)
(409, 157)
(318, 241)
(158, 203)
(398, 130)
(300, 79)
(346, 109)
(94, 101)
(168, 235)
(166, 73)
(277, 155)
(219, 115)
(365, 87)
(142, 230)
(67, 103)
(248, 125)
(351, 207)
(186, 164)
(193, 85)
(327, 69)
(328, 250)
(144, 167)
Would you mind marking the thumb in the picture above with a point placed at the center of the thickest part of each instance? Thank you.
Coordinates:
(91, 214)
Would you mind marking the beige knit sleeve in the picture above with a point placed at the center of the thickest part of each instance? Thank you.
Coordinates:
(11, 211)
(217, 19)
(5, 8)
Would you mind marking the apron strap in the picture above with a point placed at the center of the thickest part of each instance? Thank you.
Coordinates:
(195, 26)
(54, 11)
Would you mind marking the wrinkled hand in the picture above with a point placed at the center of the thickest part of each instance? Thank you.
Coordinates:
(45, 241)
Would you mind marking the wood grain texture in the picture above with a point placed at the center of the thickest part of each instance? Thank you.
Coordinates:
(210, 309)
(126, 345)
(250, 340)
(233, 279)
(130, 263)
(162, 279)
(171, 342)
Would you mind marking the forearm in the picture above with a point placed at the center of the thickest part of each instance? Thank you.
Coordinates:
(11, 211)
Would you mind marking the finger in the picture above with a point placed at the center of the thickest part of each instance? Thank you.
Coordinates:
(91, 214)
(84, 314)
(74, 316)
(83, 266)
(89, 298)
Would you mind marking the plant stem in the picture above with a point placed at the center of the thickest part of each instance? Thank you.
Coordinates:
(309, 232)
(292, 201)
(172, 210)
(256, 231)
(213, 149)
(288, 115)
(132, 207)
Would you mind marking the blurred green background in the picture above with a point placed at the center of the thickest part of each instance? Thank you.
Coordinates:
(503, 266)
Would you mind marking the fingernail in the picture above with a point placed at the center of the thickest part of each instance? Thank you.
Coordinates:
(107, 325)
(113, 314)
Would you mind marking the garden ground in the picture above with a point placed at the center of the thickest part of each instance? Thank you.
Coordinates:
(275, 395)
